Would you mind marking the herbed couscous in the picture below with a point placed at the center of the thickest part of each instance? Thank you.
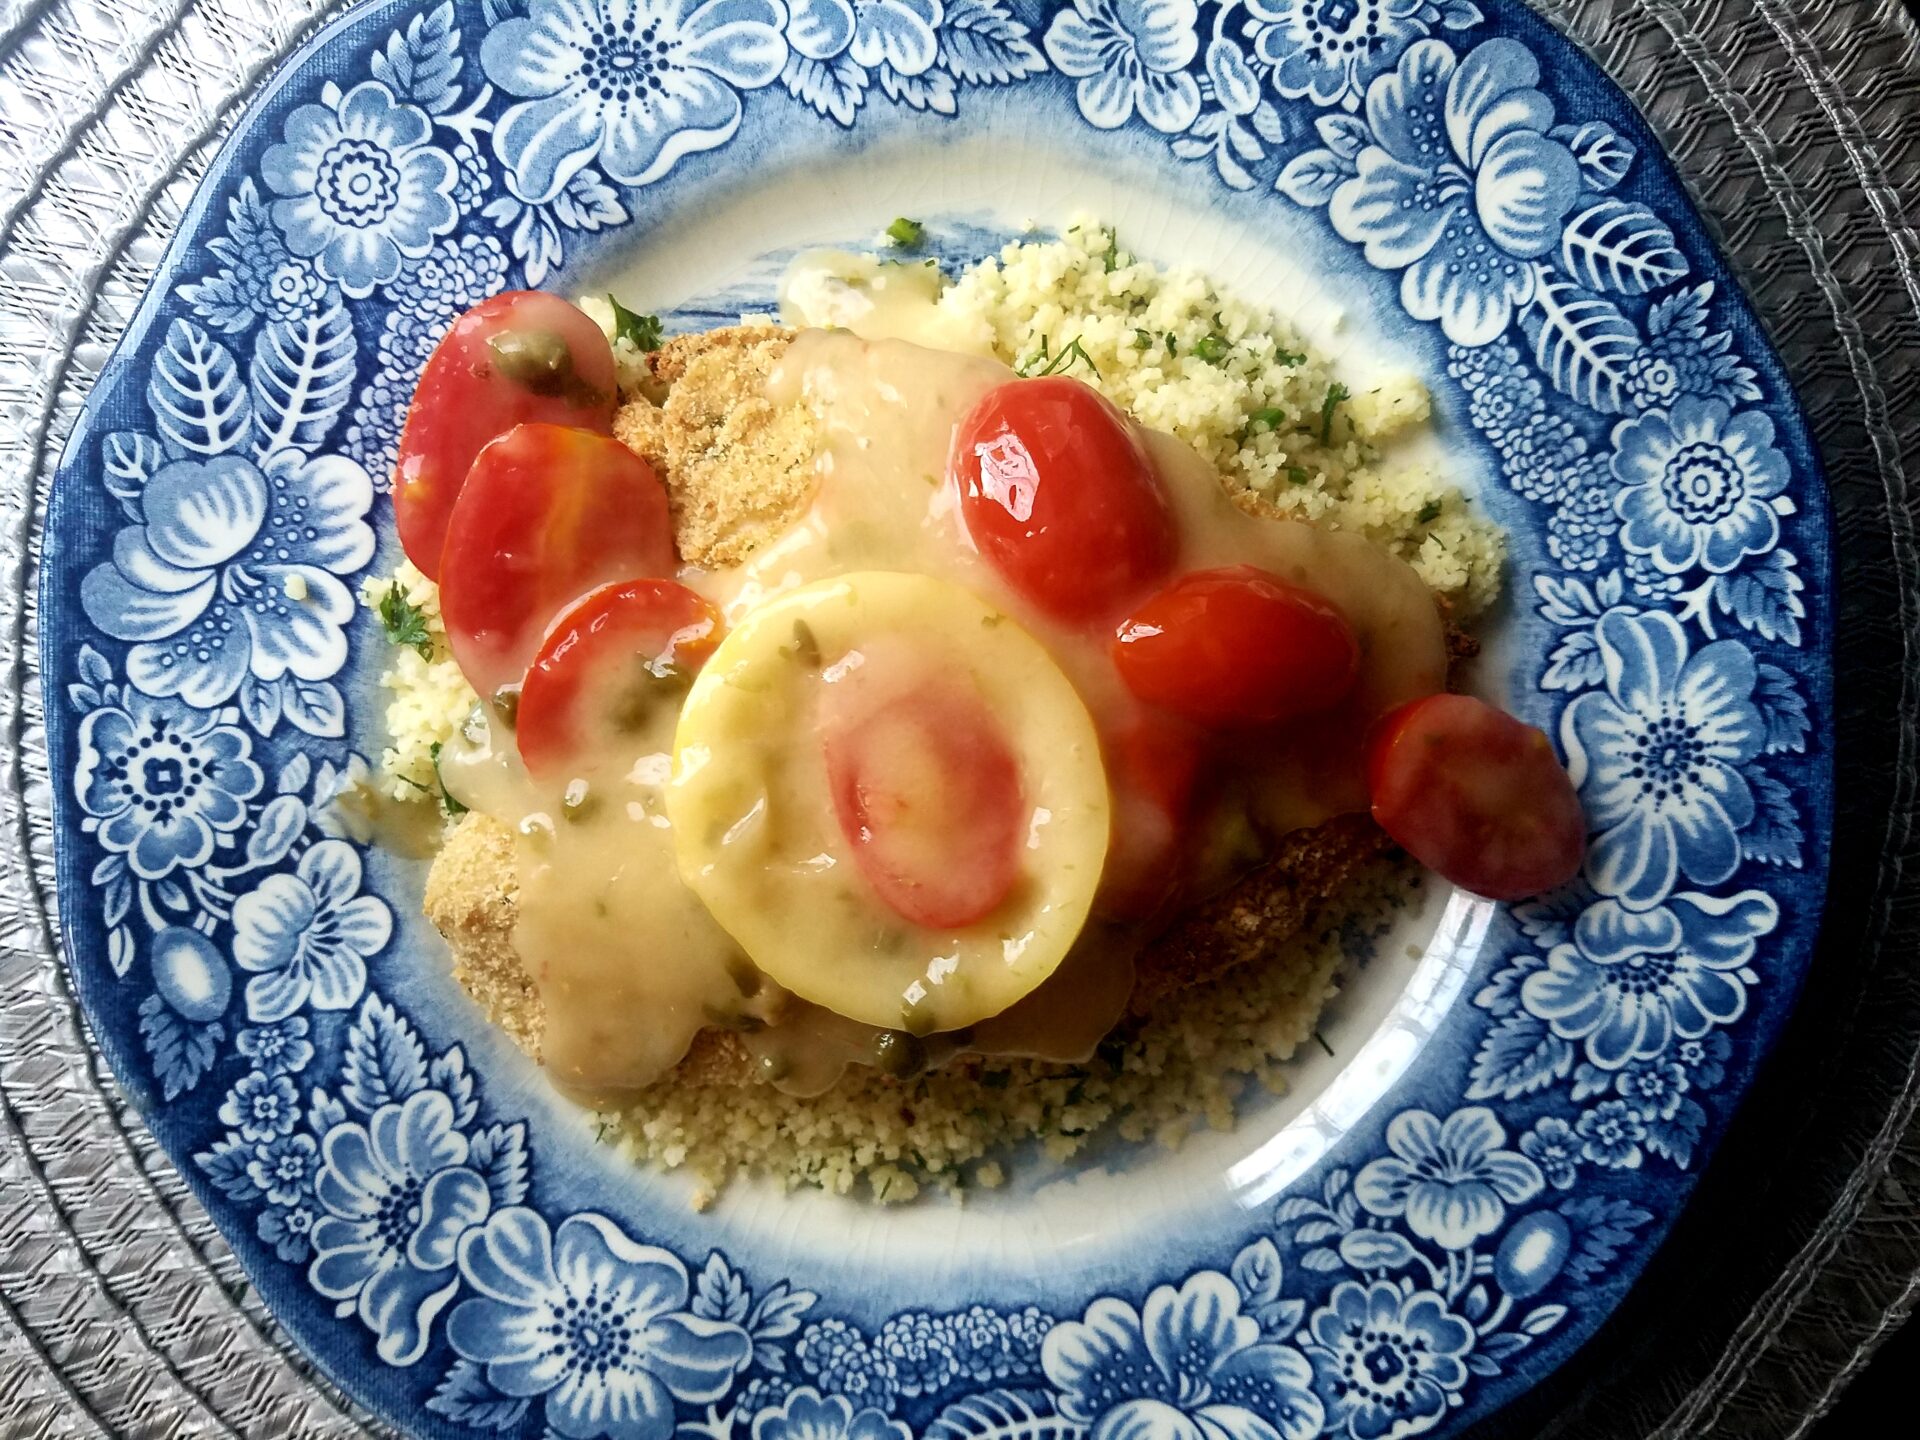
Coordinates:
(1276, 423)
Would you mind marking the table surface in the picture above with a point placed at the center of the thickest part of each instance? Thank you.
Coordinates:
(1797, 125)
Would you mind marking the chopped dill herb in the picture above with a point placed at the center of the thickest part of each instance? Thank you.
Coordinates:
(447, 802)
(405, 622)
(905, 233)
(641, 331)
(1271, 416)
(1111, 256)
(1335, 394)
(1059, 364)
(1429, 513)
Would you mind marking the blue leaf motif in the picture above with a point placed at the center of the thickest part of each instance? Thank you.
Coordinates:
(984, 45)
(1582, 342)
(1590, 1080)
(1676, 1138)
(1500, 996)
(1566, 601)
(1603, 1227)
(1782, 709)
(225, 1165)
(423, 64)
(720, 1293)
(1256, 1272)
(181, 1052)
(1542, 1319)
(1765, 597)
(315, 708)
(293, 779)
(324, 1112)
(127, 461)
(301, 378)
(1311, 177)
(932, 91)
(465, 1398)
(120, 949)
(1774, 837)
(1621, 246)
(835, 87)
(498, 1154)
(279, 826)
(1604, 156)
(260, 703)
(197, 399)
(1519, 1056)
(1575, 663)
(777, 1313)
(1004, 1415)
(1344, 135)
(450, 1076)
(384, 1061)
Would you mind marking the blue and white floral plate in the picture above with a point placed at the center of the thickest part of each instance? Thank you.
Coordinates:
(1431, 1221)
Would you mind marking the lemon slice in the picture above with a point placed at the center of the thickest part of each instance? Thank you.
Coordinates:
(758, 838)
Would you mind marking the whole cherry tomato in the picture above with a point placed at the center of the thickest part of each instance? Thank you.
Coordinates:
(1060, 496)
(607, 662)
(521, 356)
(1477, 796)
(927, 792)
(547, 514)
(1237, 647)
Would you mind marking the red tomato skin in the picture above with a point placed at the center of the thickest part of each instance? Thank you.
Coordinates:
(1155, 769)
(971, 865)
(548, 513)
(652, 619)
(1058, 493)
(463, 400)
(1476, 796)
(1237, 647)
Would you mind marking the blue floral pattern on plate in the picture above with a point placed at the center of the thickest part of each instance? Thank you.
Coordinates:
(233, 945)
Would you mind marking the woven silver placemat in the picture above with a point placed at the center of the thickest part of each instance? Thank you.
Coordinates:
(1797, 125)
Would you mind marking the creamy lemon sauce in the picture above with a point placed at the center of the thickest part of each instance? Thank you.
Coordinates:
(631, 962)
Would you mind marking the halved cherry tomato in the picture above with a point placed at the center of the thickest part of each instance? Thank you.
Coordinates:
(1059, 495)
(547, 514)
(518, 357)
(606, 661)
(1237, 647)
(1476, 795)
(1154, 764)
(927, 792)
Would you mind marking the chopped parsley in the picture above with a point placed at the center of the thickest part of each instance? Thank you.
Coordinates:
(1335, 394)
(1429, 513)
(1212, 348)
(1297, 475)
(1040, 363)
(405, 622)
(1111, 256)
(904, 234)
(1143, 339)
(1271, 416)
(1171, 350)
(447, 802)
(641, 331)
(1288, 357)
